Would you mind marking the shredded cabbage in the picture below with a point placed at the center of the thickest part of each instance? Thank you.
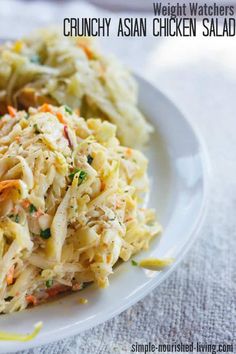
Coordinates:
(47, 67)
(70, 204)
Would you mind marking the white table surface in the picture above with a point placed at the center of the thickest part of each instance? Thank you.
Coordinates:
(198, 301)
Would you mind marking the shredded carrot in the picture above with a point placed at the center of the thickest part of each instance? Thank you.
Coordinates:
(31, 299)
(108, 258)
(129, 152)
(12, 111)
(25, 203)
(45, 108)
(17, 138)
(103, 186)
(9, 183)
(10, 275)
(60, 118)
(87, 50)
(56, 290)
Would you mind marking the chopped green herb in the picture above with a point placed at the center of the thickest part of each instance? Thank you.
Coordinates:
(35, 59)
(1, 116)
(68, 109)
(17, 219)
(32, 209)
(82, 175)
(45, 233)
(37, 131)
(9, 298)
(14, 217)
(90, 159)
(49, 283)
(72, 174)
(134, 263)
(26, 115)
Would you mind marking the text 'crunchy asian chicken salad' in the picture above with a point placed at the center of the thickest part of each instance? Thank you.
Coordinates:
(69, 204)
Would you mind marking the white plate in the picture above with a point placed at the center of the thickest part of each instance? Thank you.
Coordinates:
(178, 193)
